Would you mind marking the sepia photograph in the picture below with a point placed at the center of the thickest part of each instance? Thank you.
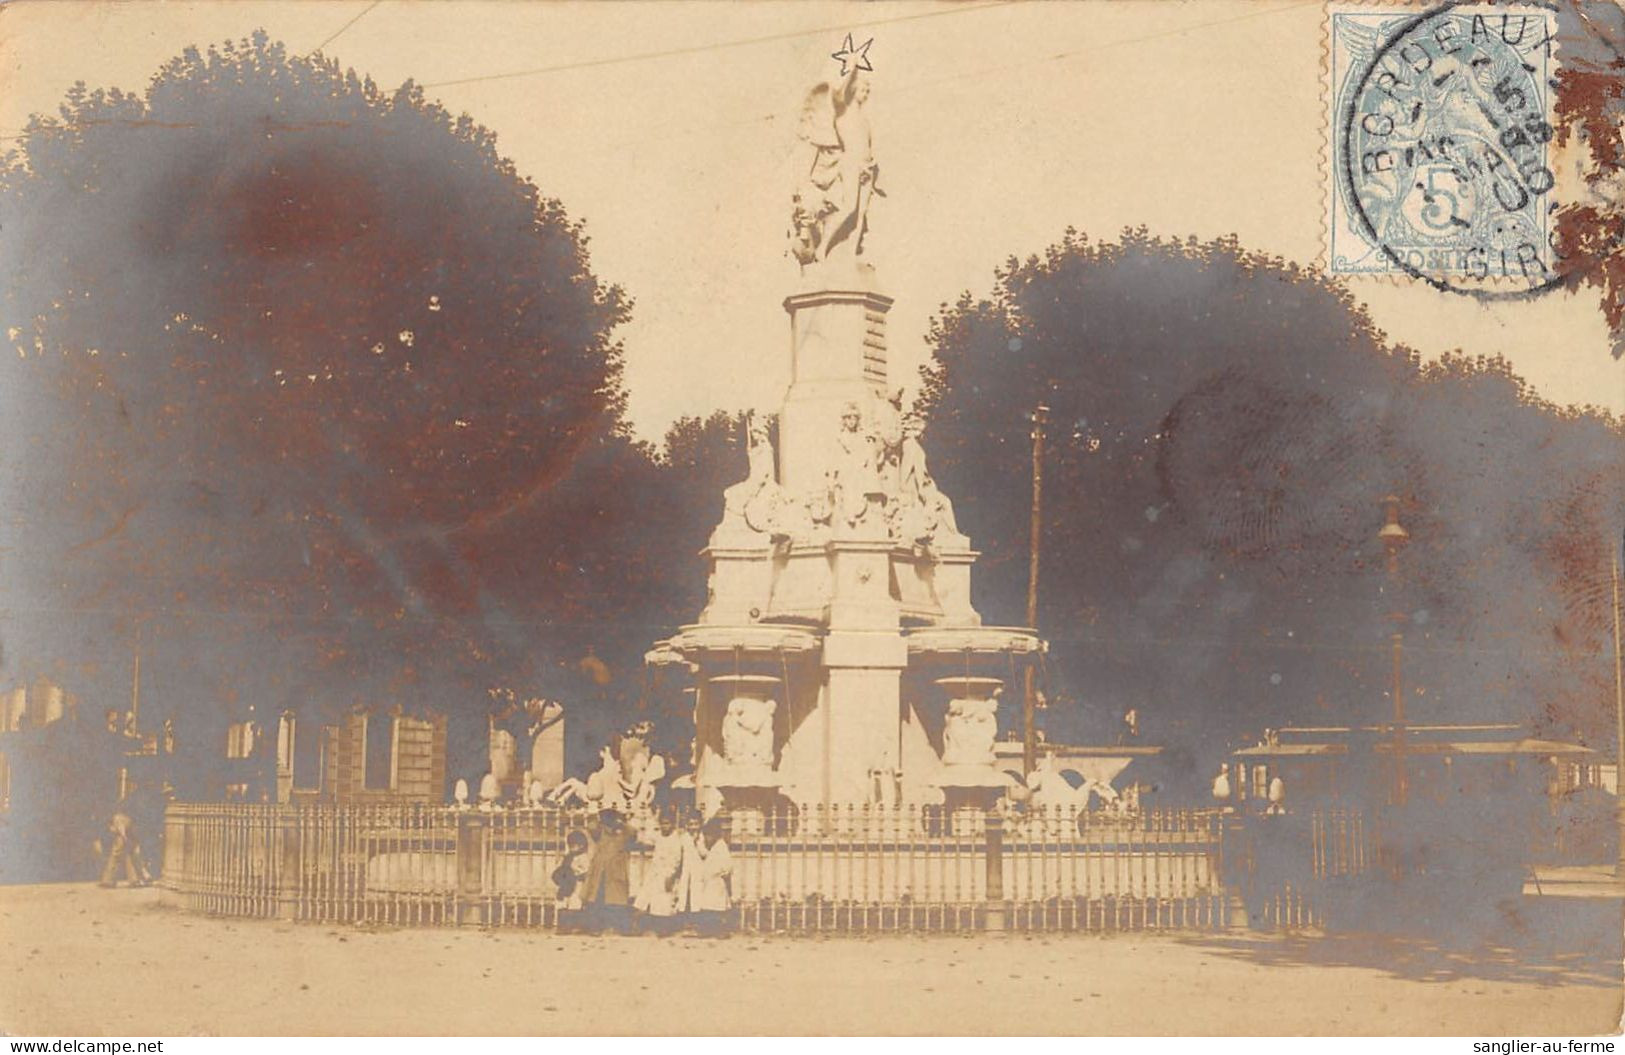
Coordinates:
(734, 518)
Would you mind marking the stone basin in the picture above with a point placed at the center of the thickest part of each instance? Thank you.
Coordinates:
(982, 640)
(756, 638)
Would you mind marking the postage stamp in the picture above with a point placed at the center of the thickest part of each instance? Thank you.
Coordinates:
(1439, 143)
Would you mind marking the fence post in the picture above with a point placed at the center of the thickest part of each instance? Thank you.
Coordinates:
(173, 869)
(473, 832)
(290, 866)
(994, 833)
(1236, 867)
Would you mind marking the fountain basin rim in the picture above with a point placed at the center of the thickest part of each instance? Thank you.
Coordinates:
(763, 680)
(758, 638)
(969, 682)
(988, 639)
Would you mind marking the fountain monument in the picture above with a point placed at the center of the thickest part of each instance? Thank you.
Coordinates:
(839, 659)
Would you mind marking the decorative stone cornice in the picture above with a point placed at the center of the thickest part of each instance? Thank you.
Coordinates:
(952, 640)
(758, 637)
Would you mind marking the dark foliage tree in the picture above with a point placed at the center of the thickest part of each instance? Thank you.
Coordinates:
(1223, 426)
(699, 458)
(1590, 110)
(307, 389)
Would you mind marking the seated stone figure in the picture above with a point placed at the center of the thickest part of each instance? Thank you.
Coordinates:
(923, 514)
(572, 791)
(624, 781)
(747, 733)
(749, 506)
(968, 732)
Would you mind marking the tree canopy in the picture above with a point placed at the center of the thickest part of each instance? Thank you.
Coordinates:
(308, 389)
(316, 400)
(1589, 234)
(1222, 429)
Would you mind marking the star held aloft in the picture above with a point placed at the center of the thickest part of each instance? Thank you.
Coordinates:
(853, 57)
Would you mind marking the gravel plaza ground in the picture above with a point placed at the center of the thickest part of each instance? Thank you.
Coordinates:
(80, 960)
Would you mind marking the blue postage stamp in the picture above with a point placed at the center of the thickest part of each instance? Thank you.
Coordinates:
(1439, 143)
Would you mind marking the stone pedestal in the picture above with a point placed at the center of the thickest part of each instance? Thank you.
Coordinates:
(864, 658)
(970, 778)
(749, 805)
(837, 356)
(951, 585)
(741, 583)
(860, 705)
(547, 753)
(504, 756)
(961, 796)
(849, 570)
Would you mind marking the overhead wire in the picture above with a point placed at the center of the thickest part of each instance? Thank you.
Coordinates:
(344, 28)
(697, 49)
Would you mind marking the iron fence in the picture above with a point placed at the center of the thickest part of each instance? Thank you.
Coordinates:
(1291, 870)
(817, 868)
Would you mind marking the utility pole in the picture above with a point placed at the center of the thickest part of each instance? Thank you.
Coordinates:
(1394, 537)
(135, 691)
(1619, 744)
(1029, 699)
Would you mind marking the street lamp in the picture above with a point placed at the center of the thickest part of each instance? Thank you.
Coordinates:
(1029, 699)
(1619, 715)
(1394, 538)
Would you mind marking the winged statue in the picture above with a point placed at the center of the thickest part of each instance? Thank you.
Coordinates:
(837, 179)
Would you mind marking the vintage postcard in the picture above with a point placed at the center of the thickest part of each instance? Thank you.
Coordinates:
(518, 516)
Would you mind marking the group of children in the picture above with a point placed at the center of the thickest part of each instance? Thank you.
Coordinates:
(687, 883)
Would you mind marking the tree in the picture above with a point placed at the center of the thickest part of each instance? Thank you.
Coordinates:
(1223, 426)
(311, 391)
(1589, 233)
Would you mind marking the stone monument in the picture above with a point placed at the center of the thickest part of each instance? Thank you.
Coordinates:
(838, 659)
(546, 729)
(504, 755)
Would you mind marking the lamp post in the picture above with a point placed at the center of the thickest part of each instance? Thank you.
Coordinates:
(1029, 699)
(1394, 537)
(1619, 743)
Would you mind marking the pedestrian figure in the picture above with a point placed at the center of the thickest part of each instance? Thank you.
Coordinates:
(607, 898)
(570, 878)
(657, 896)
(123, 851)
(1277, 798)
(1131, 727)
(707, 878)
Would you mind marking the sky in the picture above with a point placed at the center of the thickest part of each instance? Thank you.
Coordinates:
(670, 130)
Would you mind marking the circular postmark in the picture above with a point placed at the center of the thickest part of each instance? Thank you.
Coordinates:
(1445, 148)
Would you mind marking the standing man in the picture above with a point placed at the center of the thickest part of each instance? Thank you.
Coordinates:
(606, 893)
(707, 879)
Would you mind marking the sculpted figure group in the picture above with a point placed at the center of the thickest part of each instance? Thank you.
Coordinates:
(625, 780)
(878, 487)
(747, 732)
(968, 731)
